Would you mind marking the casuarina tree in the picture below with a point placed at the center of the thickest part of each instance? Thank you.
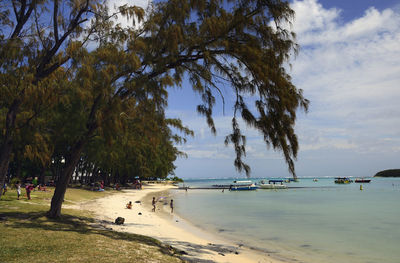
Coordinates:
(243, 44)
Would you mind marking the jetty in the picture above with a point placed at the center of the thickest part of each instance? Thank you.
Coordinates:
(228, 187)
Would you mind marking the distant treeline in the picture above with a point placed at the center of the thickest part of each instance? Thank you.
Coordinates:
(388, 173)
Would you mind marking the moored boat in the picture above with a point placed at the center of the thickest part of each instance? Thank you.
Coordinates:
(272, 184)
(362, 180)
(242, 186)
(343, 180)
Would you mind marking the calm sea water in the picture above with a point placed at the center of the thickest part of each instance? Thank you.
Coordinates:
(322, 222)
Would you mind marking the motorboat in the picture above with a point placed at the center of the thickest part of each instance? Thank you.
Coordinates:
(362, 180)
(272, 184)
(343, 180)
(242, 186)
(315, 180)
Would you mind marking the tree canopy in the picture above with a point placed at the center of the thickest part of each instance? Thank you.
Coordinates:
(94, 92)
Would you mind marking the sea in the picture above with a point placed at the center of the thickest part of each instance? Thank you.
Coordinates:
(308, 222)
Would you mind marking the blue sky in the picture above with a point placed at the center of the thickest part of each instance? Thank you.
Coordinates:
(348, 67)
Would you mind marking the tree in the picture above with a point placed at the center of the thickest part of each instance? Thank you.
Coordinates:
(30, 52)
(239, 43)
(207, 41)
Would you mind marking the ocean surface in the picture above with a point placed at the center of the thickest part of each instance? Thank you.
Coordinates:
(311, 222)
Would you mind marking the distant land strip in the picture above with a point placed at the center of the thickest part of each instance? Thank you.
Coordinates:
(388, 173)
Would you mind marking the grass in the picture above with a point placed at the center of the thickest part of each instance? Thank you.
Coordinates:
(27, 235)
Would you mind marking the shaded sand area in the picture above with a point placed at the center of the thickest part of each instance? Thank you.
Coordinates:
(195, 244)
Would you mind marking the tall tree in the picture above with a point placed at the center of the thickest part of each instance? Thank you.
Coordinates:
(30, 52)
(37, 38)
(241, 43)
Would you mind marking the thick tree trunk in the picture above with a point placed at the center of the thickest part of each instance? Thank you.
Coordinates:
(5, 155)
(18, 172)
(7, 146)
(41, 176)
(62, 183)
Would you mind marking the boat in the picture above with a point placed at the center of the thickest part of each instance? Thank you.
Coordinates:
(242, 186)
(362, 180)
(272, 184)
(288, 180)
(315, 180)
(343, 180)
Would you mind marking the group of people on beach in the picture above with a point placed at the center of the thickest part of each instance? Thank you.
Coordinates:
(153, 203)
(29, 187)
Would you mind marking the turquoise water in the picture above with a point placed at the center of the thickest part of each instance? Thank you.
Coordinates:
(323, 222)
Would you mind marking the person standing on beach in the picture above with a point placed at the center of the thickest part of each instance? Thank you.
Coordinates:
(18, 186)
(28, 189)
(153, 204)
(172, 206)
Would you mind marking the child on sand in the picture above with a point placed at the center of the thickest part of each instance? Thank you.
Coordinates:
(129, 205)
(153, 203)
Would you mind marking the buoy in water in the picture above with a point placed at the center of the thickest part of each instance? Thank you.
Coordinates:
(361, 187)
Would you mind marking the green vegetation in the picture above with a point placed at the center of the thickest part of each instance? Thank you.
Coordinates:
(29, 236)
(388, 173)
(175, 179)
(83, 95)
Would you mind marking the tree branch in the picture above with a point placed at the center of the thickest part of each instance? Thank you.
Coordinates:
(55, 20)
(22, 17)
(41, 72)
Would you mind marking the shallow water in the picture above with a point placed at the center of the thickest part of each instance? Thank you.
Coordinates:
(323, 222)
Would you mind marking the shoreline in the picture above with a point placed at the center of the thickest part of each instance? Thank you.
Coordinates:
(195, 244)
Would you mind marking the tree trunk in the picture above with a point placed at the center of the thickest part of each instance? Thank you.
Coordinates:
(18, 172)
(7, 146)
(65, 176)
(41, 176)
(5, 155)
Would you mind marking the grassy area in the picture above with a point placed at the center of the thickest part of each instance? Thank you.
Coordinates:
(27, 235)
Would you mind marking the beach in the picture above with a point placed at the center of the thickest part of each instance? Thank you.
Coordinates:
(194, 244)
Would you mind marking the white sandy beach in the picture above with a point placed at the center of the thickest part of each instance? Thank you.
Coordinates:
(199, 245)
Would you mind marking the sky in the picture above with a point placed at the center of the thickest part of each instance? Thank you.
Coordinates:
(349, 69)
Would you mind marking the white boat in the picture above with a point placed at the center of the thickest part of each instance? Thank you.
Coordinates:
(242, 185)
(272, 184)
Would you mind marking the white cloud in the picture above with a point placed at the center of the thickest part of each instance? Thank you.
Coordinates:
(312, 17)
(351, 74)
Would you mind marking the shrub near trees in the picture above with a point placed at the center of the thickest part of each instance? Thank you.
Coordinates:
(103, 107)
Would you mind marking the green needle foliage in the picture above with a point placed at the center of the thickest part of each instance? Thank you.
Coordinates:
(107, 102)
